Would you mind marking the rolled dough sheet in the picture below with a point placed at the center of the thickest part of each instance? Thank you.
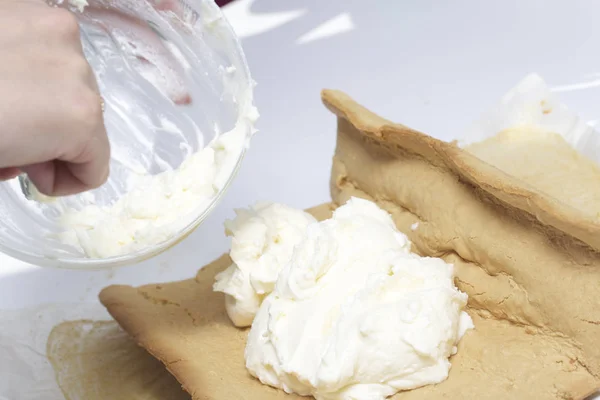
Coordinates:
(526, 255)
(555, 168)
(529, 262)
(184, 324)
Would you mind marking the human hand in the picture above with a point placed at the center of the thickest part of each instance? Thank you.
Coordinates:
(51, 123)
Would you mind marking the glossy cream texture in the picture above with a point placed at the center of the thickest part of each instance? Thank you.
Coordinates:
(263, 240)
(355, 315)
(157, 206)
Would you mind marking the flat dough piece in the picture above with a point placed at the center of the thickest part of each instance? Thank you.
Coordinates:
(185, 325)
(527, 260)
(546, 161)
(97, 360)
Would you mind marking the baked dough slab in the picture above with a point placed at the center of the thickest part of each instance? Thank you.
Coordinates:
(184, 324)
(527, 257)
(555, 169)
(97, 360)
(532, 285)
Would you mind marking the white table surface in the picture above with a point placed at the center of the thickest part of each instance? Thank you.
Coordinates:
(432, 65)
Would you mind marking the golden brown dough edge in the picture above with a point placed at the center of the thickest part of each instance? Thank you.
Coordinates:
(507, 189)
(398, 141)
(127, 308)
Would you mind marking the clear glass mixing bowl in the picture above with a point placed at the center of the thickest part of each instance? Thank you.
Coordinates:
(173, 77)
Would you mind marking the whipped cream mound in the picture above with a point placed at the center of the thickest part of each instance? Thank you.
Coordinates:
(263, 239)
(355, 315)
(157, 206)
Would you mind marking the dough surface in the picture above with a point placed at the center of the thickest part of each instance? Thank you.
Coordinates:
(97, 360)
(554, 168)
(185, 325)
(528, 260)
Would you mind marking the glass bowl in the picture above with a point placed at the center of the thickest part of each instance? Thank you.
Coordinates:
(175, 83)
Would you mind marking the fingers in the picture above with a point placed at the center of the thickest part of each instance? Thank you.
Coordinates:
(84, 163)
(52, 121)
(56, 178)
(53, 178)
(88, 162)
(9, 173)
(44, 177)
(91, 166)
(80, 155)
(86, 170)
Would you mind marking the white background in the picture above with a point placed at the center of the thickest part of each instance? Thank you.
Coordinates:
(432, 65)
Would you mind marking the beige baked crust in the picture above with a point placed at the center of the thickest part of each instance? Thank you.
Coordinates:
(184, 324)
(552, 162)
(532, 286)
(550, 210)
(96, 360)
(528, 261)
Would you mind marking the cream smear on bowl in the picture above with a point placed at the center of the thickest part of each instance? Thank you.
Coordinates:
(157, 206)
